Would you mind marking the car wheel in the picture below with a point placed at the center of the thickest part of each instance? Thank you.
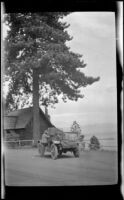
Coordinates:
(76, 153)
(54, 151)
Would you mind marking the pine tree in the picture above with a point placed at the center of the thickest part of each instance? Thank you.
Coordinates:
(76, 128)
(39, 63)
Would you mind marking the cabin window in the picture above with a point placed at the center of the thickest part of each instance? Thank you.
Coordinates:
(8, 131)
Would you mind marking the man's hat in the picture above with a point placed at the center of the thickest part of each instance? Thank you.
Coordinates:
(46, 131)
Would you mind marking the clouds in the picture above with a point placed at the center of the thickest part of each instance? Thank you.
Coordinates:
(84, 119)
(94, 38)
(89, 30)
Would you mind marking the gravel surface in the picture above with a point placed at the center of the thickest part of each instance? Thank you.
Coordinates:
(25, 167)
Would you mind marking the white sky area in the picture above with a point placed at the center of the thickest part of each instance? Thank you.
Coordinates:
(93, 37)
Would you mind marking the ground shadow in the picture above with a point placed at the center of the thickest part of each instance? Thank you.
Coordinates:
(66, 156)
(63, 156)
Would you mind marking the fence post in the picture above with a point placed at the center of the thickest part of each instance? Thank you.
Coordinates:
(19, 143)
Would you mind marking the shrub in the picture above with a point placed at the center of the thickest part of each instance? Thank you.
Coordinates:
(12, 136)
(94, 143)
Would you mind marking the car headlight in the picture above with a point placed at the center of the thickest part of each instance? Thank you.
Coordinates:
(56, 142)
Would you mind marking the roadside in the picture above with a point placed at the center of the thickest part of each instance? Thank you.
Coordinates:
(26, 167)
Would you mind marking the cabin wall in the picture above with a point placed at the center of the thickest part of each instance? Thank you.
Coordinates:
(27, 132)
(21, 133)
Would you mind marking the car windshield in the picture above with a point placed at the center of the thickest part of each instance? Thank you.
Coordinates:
(70, 136)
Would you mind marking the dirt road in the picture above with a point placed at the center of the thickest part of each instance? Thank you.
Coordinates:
(25, 167)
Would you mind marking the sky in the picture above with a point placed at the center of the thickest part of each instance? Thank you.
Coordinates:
(94, 38)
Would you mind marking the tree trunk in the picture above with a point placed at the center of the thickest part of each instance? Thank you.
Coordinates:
(36, 124)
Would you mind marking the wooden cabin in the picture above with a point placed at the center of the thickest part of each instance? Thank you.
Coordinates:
(21, 122)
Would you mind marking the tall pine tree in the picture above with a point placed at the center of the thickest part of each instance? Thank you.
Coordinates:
(38, 61)
(76, 128)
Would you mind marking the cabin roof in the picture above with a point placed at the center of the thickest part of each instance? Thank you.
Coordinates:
(18, 119)
(9, 122)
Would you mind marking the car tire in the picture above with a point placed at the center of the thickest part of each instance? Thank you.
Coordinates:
(54, 151)
(76, 153)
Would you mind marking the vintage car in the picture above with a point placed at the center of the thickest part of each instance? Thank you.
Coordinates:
(59, 142)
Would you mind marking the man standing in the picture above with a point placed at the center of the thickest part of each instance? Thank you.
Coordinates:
(44, 143)
(45, 137)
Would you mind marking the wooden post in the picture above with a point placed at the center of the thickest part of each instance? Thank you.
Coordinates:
(36, 125)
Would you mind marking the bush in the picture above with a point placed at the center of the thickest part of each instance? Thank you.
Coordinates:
(94, 143)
